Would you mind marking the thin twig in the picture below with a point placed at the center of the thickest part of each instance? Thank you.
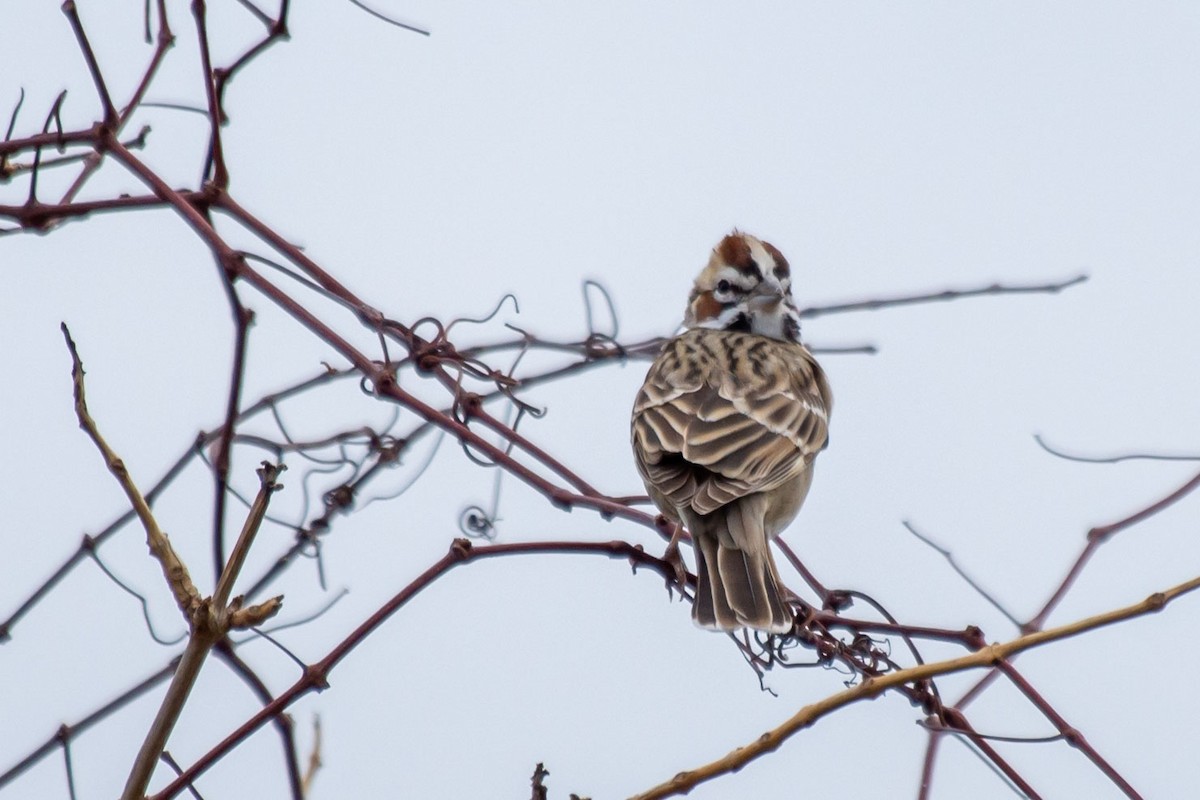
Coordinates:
(1095, 538)
(224, 650)
(216, 115)
(267, 474)
(1071, 734)
(389, 20)
(210, 622)
(949, 556)
(1098, 536)
(938, 297)
(1037, 437)
(187, 597)
(242, 319)
(314, 759)
(110, 111)
(871, 688)
(170, 761)
(461, 552)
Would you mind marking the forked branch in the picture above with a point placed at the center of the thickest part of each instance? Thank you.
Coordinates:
(210, 618)
(870, 688)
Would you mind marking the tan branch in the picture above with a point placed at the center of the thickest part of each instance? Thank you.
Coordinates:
(187, 597)
(870, 688)
(314, 759)
(267, 473)
(210, 623)
(255, 615)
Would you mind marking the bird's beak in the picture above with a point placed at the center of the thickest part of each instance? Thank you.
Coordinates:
(765, 296)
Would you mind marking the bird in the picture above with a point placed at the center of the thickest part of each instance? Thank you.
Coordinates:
(726, 427)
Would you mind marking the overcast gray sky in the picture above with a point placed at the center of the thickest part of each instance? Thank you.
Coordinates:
(523, 147)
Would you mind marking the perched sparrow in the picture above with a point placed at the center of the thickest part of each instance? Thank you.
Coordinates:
(726, 427)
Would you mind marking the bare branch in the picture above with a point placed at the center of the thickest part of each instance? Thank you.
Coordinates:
(949, 556)
(539, 788)
(314, 759)
(1037, 437)
(389, 20)
(461, 552)
(871, 688)
(1096, 537)
(940, 297)
(210, 623)
(106, 103)
(187, 597)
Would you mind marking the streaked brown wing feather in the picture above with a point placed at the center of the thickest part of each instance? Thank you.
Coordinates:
(722, 415)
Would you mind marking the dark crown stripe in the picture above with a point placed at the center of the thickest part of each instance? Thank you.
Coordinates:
(782, 270)
(734, 250)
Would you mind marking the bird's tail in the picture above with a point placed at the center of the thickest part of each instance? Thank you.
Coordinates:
(739, 584)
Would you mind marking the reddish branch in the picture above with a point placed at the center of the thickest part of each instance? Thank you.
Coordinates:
(1095, 538)
(450, 367)
(316, 676)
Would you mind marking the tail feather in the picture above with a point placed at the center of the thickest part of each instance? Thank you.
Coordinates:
(739, 584)
(711, 609)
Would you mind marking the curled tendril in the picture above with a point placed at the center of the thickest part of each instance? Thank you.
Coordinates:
(610, 307)
(599, 345)
(201, 111)
(12, 123)
(436, 323)
(524, 408)
(137, 596)
(367, 387)
(56, 117)
(526, 335)
(479, 461)
(476, 523)
(481, 371)
(389, 447)
(383, 346)
(283, 269)
(490, 316)
(390, 20)
(868, 654)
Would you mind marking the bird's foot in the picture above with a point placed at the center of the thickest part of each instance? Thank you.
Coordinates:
(674, 558)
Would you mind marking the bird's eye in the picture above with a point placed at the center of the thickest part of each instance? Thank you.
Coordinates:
(723, 286)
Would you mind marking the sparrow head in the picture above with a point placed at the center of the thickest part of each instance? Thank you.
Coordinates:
(747, 287)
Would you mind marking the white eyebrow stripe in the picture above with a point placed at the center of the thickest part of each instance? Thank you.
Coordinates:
(736, 277)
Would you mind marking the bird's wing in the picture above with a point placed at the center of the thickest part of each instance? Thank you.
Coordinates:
(722, 415)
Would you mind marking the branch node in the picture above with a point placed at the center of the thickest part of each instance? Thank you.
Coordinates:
(974, 638)
(267, 473)
(255, 615)
(837, 600)
(315, 677)
(539, 789)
